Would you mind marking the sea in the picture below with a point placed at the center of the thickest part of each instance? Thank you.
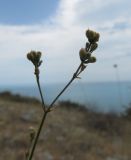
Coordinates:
(100, 96)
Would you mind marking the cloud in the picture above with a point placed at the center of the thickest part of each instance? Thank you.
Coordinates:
(60, 39)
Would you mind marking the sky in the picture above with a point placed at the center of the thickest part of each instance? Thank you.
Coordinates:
(57, 29)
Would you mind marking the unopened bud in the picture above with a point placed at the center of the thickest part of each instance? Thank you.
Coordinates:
(93, 47)
(83, 54)
(32, 133)
(38, 56)
(92, 36)
(31, 56)
(92, 60)
(34, 57)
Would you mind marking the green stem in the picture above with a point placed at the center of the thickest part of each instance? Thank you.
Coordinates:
(41, 95)
(48, 110)
(37, 137)
(74, 76)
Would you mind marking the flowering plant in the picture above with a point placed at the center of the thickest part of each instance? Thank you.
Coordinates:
(35, 57)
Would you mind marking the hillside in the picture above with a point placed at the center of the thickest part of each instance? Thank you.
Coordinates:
(71, 132)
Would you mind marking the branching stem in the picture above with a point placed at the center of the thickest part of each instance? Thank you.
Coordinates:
(74, 76)
(34, 57)
(46, 111)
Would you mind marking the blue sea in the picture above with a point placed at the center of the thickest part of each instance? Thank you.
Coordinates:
(101, 96)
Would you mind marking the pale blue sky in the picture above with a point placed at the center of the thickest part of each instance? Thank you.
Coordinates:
(57, 28)
(18, 12)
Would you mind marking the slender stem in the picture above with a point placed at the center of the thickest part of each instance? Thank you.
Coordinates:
(39, 87)
(74, 76)
(61, 92)
(48, 110)
(37, 136)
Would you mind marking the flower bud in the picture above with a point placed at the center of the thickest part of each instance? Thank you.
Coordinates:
(83, 54)
(31, 55)
(93, 47)
(92, 36)
(38, 56)
(34, 57)
(32, 133)
(92, 60)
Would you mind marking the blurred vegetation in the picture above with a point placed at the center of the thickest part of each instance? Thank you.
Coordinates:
(72, 131)
(17, 97)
